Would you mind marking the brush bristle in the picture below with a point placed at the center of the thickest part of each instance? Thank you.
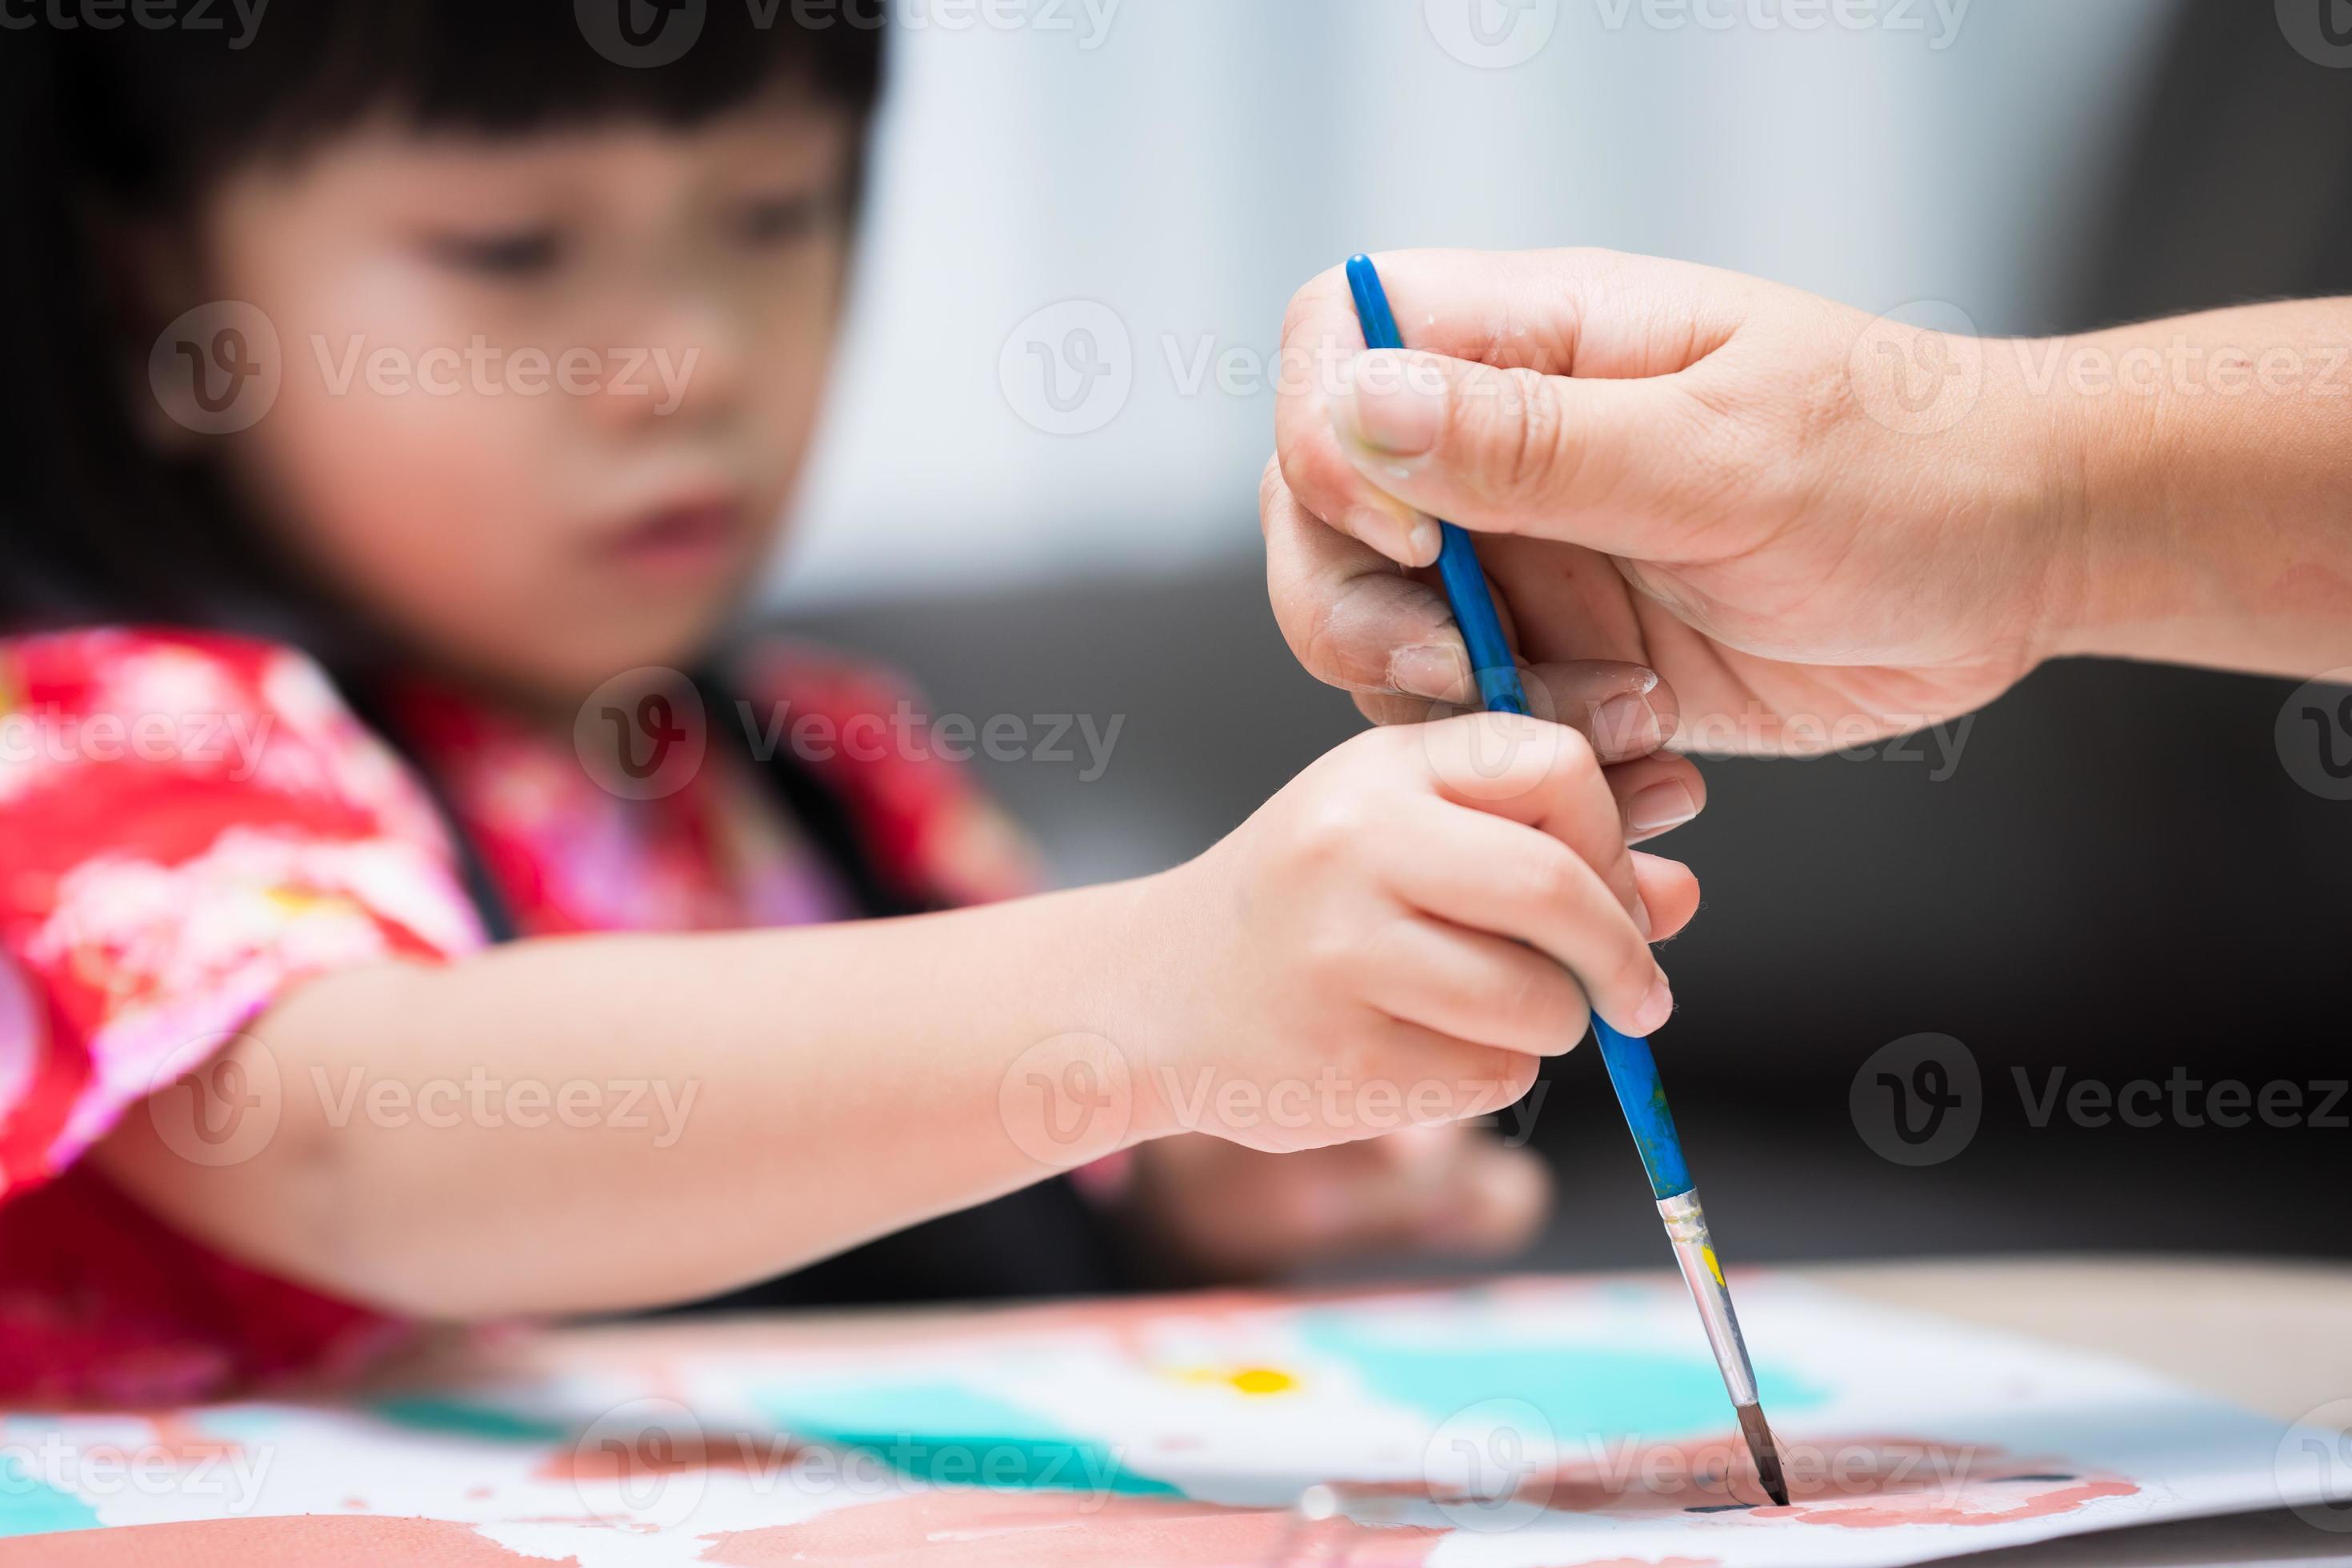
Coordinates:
(1753, 1426)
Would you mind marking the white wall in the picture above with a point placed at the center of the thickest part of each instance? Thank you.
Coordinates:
(1190, 163)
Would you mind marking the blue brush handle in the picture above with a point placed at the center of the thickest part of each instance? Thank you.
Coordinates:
(1458, 561)
(1633, 1070)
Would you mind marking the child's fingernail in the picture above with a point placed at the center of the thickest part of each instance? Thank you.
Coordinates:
(1655, 1009)
(1388, 411)
(1627, 726)
(1661, 806)
(1434, 671)
(1409, 540)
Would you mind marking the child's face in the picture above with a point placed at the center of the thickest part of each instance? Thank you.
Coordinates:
(543, 398)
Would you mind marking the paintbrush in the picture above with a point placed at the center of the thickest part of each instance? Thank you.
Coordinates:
(1633, 1070)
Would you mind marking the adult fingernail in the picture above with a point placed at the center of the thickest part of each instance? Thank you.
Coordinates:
(1627, 726)
(1424, 540)
(1435, 670)
(1411, 539)
(1388, 411)
(1655, 1009)
(1661, 806)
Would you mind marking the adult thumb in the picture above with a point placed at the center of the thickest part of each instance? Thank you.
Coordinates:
(1593, 462)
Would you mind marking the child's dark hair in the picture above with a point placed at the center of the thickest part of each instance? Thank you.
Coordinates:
(95, 524)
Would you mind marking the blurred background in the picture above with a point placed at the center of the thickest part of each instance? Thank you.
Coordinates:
(2116, 875)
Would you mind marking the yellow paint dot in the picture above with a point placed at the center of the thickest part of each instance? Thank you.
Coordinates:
(1712, 1266)
(1263, 1380)
(1256, 1380)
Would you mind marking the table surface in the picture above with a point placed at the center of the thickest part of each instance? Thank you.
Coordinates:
(2272, 1337)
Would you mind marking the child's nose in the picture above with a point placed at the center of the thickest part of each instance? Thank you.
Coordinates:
(681, 360)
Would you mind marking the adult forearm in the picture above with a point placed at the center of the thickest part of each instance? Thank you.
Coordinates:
(609, 1123)
(2213, 456)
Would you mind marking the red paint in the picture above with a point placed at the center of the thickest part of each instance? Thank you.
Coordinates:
(293, 1540)
(1980, 1505)
(761, 1456)
(1856, 1483)
(1026, 1529)
(180, 1436)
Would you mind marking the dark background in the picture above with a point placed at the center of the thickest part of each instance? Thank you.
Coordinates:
(2120, 877)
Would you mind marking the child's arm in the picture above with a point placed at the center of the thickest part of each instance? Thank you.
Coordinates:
(1349, 957)
(802, 1091)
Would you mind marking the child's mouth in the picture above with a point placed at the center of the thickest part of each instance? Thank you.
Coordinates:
(693, 536)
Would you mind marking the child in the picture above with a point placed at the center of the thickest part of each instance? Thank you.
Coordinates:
(384, 937)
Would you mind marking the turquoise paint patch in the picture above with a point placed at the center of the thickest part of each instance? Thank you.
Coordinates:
(450, 1417)
(30, 1505)
(952, 1436)
(1584, 1390)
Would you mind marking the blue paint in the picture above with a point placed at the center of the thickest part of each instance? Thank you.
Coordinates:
(1457, 559)
(950, 1435)
(450, 1417)
(31, 1506)
(1642, 1095)
(1584, 1390)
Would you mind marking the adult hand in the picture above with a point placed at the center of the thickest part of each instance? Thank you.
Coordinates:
(1818, 529)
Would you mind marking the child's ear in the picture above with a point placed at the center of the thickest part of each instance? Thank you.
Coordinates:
(147, 277)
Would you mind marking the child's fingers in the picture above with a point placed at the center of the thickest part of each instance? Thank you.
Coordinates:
(1493, 1204)
(1448, 1189)
(1470, 985)
(1495, 876)
(1541, 774)
(1442, 1078)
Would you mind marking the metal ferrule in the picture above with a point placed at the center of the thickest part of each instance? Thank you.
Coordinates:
(1686, 1229)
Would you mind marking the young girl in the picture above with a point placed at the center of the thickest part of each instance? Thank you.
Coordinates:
(398, 920)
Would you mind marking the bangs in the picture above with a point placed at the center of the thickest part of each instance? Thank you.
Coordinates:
(141, 118)
(160, 110)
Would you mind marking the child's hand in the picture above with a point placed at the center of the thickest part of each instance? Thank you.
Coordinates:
(1398, 939)
(1226, 1213)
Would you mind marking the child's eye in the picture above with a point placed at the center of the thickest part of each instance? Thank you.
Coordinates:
(519, 255)
(782, 220)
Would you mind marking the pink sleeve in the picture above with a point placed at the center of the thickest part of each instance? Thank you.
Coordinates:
(189, 826)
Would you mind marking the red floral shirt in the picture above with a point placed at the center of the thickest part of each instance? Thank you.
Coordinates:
(191, 826)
